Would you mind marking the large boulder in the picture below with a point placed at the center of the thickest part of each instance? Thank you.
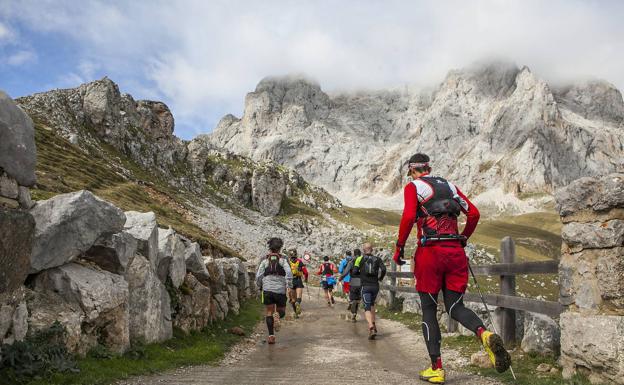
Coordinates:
(541, 334)
(17, 229)
(195, 263)
(67, 225)
(601, 350)
(18, 153)
(171, 253)
(113, 252)
(195, 307)
(268, 187)
(150, 305)
(143, 227)
(102, 297)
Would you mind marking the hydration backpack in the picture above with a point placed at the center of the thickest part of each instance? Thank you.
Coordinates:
(370, 268)
(274, 267)
(440, 209)
(327, 268)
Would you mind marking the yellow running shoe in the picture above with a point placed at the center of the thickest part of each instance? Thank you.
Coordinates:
(494, 347)
(434, 376)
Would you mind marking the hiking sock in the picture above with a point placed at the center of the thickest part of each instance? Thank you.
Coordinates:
(298, 300)
(354, 308)
(269, 322)
(294, 306)
(282, 313)
(436, 362)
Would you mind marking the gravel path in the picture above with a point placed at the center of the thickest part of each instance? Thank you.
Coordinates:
(319, 348)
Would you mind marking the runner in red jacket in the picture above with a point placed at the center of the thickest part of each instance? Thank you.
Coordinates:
(433, 204)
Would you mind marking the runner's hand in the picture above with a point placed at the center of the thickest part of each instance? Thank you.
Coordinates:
(398, 255)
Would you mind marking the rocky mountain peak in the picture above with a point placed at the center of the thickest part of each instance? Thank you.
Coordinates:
(495, 129)
(593, 99)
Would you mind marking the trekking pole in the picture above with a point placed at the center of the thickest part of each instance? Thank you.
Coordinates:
(487, 310)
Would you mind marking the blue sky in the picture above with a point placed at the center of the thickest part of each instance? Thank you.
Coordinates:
(202, 57)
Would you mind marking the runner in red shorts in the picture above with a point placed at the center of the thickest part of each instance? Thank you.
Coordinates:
(441, 263)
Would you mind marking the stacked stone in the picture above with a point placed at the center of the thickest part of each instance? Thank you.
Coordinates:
(107, 276)
(591, 277)
(17, 173)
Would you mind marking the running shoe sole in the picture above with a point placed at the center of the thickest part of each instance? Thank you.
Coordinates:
(502, 357)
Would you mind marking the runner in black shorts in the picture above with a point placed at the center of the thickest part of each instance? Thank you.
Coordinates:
(300, 273)
(273, 277)
(355, 291)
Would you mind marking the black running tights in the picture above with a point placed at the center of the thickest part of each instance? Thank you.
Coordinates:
(454, 305)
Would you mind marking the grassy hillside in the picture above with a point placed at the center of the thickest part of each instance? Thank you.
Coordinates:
(537, 235)
(63, 167)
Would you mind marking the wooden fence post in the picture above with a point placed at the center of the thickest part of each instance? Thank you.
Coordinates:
(508, 287)
(393, 283)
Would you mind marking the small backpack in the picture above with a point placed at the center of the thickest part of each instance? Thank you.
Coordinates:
(274, 267)
(369, 267)
(327, 268)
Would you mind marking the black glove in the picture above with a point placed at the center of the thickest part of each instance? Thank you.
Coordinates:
(398, 255)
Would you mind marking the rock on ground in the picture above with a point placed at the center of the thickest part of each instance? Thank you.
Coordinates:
(541, 334)
(68, 225)
(150, 306)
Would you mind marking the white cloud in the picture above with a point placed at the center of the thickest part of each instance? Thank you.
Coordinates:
(5, 32)
(202, 57)
(21, 57)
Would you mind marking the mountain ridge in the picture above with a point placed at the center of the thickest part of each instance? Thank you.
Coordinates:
(493, 129)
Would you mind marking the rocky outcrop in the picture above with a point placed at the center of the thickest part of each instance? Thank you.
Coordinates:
(511, 132)
(591, 278)
(150, 307)
(68, 225)
(102, 298)
(140, 129)
(268, 188)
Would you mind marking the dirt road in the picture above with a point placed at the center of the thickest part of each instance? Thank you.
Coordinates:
(323, 347)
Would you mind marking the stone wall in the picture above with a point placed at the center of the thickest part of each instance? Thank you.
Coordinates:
(109, 277)
(17, 226)
(591, 276)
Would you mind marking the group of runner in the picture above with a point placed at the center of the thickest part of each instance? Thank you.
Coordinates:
(282, 279)
(441, 265)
